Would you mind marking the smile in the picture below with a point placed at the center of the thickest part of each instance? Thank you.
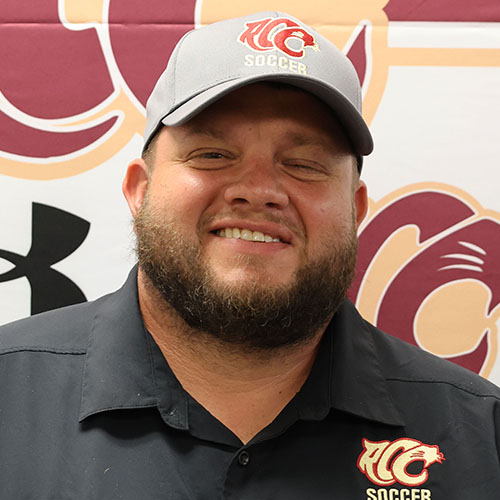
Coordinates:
(246, 234)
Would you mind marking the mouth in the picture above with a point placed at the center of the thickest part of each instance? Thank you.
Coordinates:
(272, 234)
(247, 235)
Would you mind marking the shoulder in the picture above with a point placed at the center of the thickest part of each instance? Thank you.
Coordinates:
(67, 330)
(62, 330)
(407, 364)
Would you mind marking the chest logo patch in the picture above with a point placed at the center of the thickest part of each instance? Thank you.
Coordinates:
(387, 462)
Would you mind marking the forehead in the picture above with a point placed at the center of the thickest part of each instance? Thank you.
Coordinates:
(302, 114)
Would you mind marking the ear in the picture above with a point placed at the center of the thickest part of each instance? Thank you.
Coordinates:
(135, 185)
(360, 201)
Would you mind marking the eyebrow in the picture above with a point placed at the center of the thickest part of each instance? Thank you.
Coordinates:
(194, 129)
(295, 138)
(332, 146)
(304, 140)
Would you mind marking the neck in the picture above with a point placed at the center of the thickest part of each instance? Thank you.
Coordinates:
(245, 390)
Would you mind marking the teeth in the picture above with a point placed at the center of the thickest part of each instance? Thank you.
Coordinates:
(258, 236)
(246, 234)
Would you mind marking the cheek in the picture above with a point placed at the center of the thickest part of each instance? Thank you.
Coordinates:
(186, 196)
(327, 221)
(327, 208)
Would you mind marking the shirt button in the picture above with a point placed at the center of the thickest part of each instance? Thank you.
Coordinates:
(243, 458)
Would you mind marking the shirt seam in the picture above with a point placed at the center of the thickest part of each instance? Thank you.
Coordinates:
(50, 350)
(148, 339)
(113, 408)
(83, 390)
(451, 384)
(496, 439)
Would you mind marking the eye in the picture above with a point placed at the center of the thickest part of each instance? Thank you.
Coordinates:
(301, 166)
(305, 169)
(209, 158)
(211, 155)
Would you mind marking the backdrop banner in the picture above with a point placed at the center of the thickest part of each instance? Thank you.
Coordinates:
(74, 82)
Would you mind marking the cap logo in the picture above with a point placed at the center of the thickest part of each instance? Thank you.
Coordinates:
(277, 33)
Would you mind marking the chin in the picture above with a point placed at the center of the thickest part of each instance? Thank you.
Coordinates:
(252, 276)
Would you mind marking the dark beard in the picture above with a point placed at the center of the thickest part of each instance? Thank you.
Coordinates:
(249, 317)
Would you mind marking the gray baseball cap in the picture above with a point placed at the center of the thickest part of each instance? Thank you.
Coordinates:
(214, 60)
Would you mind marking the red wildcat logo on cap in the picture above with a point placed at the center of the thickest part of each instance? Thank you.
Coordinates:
(276, 33)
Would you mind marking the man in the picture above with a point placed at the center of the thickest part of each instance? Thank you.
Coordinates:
(230, 364)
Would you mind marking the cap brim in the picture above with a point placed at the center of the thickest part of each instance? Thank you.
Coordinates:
(348, 116)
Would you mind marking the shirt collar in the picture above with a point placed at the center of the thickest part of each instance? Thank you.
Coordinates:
(358, 382)
(118, 370)
(125, 369)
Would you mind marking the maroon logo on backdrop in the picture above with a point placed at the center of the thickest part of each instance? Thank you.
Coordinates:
(457, 245)
(51, 72)
(43, 77)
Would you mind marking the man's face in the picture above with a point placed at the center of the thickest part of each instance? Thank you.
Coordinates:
(253, 200)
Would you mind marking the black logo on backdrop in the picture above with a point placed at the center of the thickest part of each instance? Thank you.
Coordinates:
(55, 235)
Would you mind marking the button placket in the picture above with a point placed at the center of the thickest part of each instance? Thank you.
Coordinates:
(243, 458)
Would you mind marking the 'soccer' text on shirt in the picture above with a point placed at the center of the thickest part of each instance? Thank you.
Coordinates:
(394, 494)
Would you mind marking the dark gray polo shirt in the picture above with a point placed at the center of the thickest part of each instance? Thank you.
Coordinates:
(89, 409)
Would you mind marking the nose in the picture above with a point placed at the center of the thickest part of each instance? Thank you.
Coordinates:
(258, 186)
